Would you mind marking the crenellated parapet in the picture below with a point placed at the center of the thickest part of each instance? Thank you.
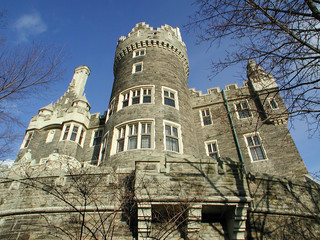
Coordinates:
(143, 36)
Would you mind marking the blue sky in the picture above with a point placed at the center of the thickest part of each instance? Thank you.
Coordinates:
(89, 31)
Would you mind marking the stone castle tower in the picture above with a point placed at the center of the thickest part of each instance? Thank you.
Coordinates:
(164, 161)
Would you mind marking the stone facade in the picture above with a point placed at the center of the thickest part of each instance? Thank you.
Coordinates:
(164, 161)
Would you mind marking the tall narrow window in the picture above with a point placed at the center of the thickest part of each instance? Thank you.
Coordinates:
(273, 103)
(146, 95)
(243, 110)
(146, 135)
(74, 133)
(255, 148)
(28, 139)
(136, 97)
(122, 132)
(125, 101)
(81, 137)
(66, 132)
(212, 149)
(133, 136)
(169, 97)
(172, 138)
(97, 137)
(206, 117)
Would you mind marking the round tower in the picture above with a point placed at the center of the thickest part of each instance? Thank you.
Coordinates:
(149, 111)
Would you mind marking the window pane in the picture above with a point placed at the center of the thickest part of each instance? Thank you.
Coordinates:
(214, 155)
(168, 130)
(209, 148)
(66, 131)
(166, 93)
(145, 141)
(148, 128)
(138, 68)
(147, 99)
(256, 140)
(250, 142)
(253, 154)
(169, 102)
(171, 95)
(214, 147)
(174, 131)
(172, 144)
(120, 145)
(125, 103)
(135, 100)
(132, 143)
(260, 154)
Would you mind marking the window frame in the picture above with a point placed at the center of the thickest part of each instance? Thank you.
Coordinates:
(178, 137)
(175, 98)
(94, 137)
(128, 96)
(204, 110)
(243, 109)
(134, 67)
(79, 136)
(139, 51)
(27, 139)
(121, 133)
(270, 100)
(260, 145)
(215, 142)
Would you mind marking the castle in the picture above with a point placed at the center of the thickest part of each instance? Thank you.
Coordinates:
(164, 161)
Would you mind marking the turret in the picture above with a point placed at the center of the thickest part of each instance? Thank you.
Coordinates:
(150, 108)
(79, 80)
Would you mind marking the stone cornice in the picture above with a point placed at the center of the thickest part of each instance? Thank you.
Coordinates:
(152, 43)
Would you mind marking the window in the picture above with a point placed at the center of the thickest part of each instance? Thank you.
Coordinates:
(28, 138)
(73, 132)
(255, 147)
(97, 136)
(66, 132)
(243, 110)
(170, 97)
(134, 96)
(50, 136)
(140, 52)
(133, 135)
(81, 137)
(212, 149)
(137, 67)
(273, 103)
(172, 137)
(206, 117)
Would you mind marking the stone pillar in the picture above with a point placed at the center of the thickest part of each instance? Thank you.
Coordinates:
(240, 217)
(144, 220)
(194, 222)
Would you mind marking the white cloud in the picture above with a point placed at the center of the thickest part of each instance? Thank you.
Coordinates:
(8, 162)
(29, 25)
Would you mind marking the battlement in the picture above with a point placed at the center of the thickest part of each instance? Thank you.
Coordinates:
(144, 36)
(230, 88)
(142, 29)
